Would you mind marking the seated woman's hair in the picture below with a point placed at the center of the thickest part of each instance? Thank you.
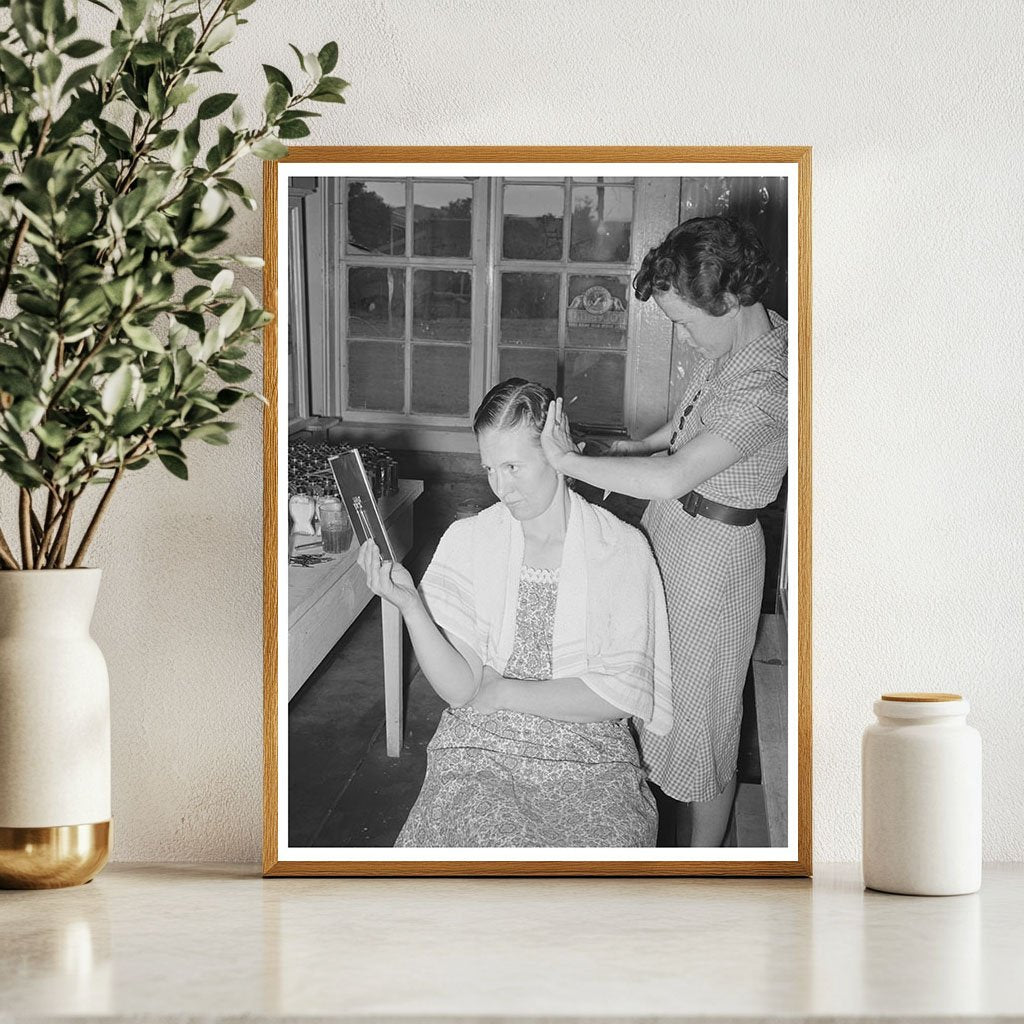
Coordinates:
(705, 258)
(512, 403)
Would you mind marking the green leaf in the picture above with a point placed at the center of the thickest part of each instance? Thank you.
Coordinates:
(21, 471)
(269, 149)
(109, 65)
(128, 421)
(234, 6)
(14, 68)
(143, 338)
(53, 14)
(232, 319)
(211, 433)
(133, 13)
(181, 94)
(221, 35)
(184, 44)
(163, 139)
(175, 465)
(165, 376)
(278, 77)
(26, 413)
(276, 100)
(222, 282)
(26, 21)
(53, 435)
(116, 390)
(232, 373)
(214, 105)
(12, 356)
(49, 68)
(325, 96)
(149, 53)
(328, 57)
(116, 133)
(195, 296)
(292, 130)
(227, 397)
(311, 66)
(193, 379)
(38, 305)
(334, 84)
(156, 100)
(83, 48)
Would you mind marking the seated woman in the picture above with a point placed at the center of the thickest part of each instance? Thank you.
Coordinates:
(542, 622)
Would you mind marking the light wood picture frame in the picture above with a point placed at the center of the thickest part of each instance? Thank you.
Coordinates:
(307, 375)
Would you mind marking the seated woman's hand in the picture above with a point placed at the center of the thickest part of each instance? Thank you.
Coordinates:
(624, 447)
(488, 697)
(389, 580)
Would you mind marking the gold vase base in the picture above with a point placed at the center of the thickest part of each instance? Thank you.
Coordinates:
(54, 857)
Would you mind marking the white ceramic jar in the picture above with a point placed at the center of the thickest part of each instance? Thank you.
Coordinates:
(921, 779)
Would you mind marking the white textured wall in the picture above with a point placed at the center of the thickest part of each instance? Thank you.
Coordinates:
(914, 113)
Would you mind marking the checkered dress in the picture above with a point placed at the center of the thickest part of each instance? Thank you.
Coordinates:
(714, 573)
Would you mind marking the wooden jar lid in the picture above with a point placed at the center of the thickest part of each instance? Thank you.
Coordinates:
(921, 698)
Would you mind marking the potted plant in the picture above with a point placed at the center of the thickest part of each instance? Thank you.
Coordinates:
(122, 338)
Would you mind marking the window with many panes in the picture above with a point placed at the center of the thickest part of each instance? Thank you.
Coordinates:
(450, 285)
(562, 277)
(413, 299)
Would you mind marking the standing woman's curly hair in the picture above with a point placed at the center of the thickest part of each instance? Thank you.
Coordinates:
(704, 259)
(512, 403)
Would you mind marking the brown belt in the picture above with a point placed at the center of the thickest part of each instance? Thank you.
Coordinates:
(697, 505)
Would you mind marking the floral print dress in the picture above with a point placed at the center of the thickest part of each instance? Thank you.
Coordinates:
(509, 779)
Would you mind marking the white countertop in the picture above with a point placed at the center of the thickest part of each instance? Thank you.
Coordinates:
(174, 942)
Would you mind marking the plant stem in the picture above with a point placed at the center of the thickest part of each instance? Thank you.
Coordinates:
(25, 522)
(90, 531)
(60, 544)
(6, 555)
(54, 511)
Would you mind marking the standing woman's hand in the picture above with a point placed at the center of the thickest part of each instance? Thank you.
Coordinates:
(555, 439)
(389, 580)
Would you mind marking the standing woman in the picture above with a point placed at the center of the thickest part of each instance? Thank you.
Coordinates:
(726, 448)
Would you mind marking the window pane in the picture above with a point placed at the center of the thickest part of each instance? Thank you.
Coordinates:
(442, 302)
(597, 312)
(596, 380)
(376, 217)
(442, 217)
(376, 375)
(604, 179)
(529, 309)
(535, 364)
(602, 222)
(440, 379)
(533, 222)
(376, 302)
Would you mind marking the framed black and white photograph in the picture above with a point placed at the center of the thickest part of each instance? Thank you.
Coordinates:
(568, 376)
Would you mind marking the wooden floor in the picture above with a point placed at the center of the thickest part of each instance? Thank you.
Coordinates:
(347, 792)
(765, 806)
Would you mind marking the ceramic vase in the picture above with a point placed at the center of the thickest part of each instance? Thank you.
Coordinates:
(54, 731)
(921, 778)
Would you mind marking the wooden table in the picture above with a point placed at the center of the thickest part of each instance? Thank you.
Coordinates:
(324, 600)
